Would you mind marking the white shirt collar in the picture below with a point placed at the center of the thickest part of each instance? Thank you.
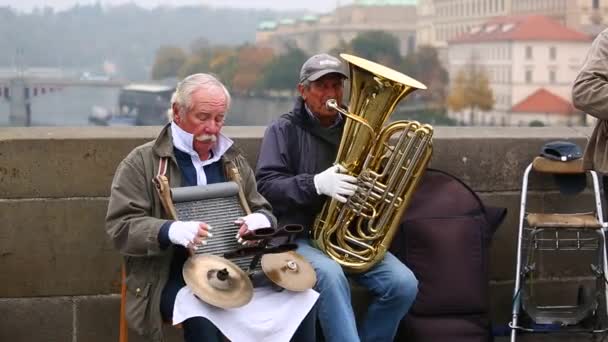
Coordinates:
(182, 140)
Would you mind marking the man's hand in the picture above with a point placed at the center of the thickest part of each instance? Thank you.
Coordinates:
(250, 223)
(335, 184)
(189, 233)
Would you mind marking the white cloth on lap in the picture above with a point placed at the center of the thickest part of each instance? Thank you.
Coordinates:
(270, 316)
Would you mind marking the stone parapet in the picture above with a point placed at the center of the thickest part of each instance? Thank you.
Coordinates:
(60, 273)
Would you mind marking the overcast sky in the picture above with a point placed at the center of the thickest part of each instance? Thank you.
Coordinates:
(314, 5)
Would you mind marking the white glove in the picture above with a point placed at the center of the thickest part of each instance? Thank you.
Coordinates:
(250, 223)
(335, 184)
(254, 221)
(184, 232)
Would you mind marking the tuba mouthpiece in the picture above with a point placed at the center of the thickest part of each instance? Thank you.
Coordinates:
(331, 104)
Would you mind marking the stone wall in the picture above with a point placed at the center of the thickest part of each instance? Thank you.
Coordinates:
(60, 274)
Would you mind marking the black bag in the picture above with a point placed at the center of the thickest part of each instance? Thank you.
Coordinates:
(444, 238)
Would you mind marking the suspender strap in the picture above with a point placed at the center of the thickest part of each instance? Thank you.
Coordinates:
(232, 171)
(161, 184)
(162, 167)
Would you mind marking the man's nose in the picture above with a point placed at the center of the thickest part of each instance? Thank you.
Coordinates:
(212, 127)
(331, 92)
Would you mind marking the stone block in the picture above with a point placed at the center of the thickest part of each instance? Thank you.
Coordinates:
(98, 320)
(36, 319)
(56, 248)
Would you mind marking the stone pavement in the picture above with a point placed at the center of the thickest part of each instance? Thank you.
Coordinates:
(554, 338)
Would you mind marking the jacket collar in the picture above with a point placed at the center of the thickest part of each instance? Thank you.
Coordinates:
(163, 145)
(300, 116)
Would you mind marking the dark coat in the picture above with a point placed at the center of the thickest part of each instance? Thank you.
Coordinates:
(295, 148)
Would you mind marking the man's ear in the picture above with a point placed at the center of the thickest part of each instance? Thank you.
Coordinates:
(176, 113)
(301, 90)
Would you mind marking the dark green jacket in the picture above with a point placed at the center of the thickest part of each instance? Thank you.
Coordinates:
(135, 216)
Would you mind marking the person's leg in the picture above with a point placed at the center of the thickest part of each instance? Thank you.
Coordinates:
(197, 329)
(306, 332)
(333, 306)
(394, 288)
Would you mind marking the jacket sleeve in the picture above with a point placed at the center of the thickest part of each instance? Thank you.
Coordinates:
(278, 180)
(257, 203)
(590, 89)
(129, 221)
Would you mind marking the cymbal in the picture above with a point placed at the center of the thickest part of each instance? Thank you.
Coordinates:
(289, 270)
(217, 281)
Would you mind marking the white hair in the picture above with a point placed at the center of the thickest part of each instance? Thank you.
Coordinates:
(185, 88)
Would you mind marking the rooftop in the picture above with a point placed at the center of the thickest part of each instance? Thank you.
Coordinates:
(544, 101)
(521, 28)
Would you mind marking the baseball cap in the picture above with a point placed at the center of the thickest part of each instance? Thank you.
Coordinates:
(561, 150)
(565, 151)
(320, 65)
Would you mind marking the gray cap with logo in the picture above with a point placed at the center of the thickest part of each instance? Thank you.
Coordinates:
(320, 65)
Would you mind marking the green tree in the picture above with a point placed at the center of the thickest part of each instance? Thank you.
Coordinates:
(536, 123)
(342, 47)
(283, 72)
(378, 46)
(471, 90)
(424, 65)
(168, 61)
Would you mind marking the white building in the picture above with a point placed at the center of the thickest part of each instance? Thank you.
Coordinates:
(531, 62)
(442, 20)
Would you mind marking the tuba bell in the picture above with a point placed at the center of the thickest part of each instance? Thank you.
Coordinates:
(388, 162)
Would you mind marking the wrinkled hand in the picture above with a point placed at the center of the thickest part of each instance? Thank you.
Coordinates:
(335, 184)
(189, 233)
(249, 224)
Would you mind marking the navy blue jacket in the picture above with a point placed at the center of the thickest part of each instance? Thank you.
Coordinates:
(294, 149)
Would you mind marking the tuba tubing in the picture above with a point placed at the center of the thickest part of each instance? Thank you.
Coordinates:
(388, 161)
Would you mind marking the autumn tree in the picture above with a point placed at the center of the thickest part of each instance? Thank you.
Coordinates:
(168, 61)
(223, 64)
(471, 90)
(218, 60)
(250, 63)
(198, 61)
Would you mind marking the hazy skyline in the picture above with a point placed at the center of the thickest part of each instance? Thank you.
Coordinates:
(313, 5)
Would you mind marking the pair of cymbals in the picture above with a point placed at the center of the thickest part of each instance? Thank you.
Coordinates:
(221, 283)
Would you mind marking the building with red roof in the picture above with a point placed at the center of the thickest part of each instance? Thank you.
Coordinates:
(530, 61)
(440, 21)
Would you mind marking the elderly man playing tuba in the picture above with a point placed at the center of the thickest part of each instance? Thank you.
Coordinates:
(295, 173)
(154, 246)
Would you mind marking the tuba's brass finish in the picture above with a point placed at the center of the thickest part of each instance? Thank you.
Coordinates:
(388, 162)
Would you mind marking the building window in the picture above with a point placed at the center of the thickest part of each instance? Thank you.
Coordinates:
(595, 4)
(528, 52)
(552, 76)
(552, 53)
(528, 76)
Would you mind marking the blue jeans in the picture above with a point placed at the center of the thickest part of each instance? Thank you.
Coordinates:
(392, 284)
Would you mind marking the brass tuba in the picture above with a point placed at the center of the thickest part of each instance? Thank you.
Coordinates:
(387, 161)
